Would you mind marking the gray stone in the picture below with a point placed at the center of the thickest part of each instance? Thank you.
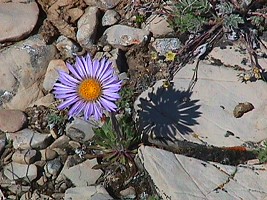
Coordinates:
(90, 192)
(164, 45)
(66, 47)
(83, 174)
(158, 25)
(110, 17)
(27, 139)
(52, 75)
(121, 35)
(24, 156)
(80, 130)
(179, 177)
(52, 168)
(22, 67)
(15, 171)
(87, 27)
(12, 120)
(15, 21)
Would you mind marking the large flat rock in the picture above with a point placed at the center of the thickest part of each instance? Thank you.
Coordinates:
(205, 115)
(180, 177)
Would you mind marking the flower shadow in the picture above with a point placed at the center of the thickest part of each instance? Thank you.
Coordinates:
(166, 113)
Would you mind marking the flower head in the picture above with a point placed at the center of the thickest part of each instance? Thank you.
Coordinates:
(170, 56)
(91, 87)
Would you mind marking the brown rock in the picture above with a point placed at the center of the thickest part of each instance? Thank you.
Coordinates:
(15, 22)
(24, 156)
(12, 120)
(48, 154)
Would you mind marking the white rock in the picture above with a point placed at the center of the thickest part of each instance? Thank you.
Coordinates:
(110, 17)
(80, 130)
(164, 45)
(22, 67)
(15, 171)
(90, 192)
(86, 176)
(208, 110)
(87, 27)
(15, 21)
(27, 139)
(121, 35)
(181, 177)
(52, 75)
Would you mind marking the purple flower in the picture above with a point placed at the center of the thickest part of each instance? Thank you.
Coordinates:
(91, 88)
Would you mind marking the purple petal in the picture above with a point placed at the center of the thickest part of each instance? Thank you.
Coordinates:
(79, 67)
(67, 103)
(95, 67)
(108, 72)
(110, 81)
(73, 71)
(64, 96)
(88, 111)
(64, 91)
(88, 65)
(68, 77)
(108, 105)
(97, 111)
(83, 67)
(76, 108)
(60, 85)
(101, 67)
(112, 88)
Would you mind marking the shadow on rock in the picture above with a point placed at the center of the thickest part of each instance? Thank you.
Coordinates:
(168, 112)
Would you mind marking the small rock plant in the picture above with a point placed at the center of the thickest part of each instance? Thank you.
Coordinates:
(94, 90)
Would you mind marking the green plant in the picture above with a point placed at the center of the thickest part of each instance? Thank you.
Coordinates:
(115, 144)
(139, 19)
(231, 19)
(189, 15)
(57, 120)
(125, 104)
(262, 153)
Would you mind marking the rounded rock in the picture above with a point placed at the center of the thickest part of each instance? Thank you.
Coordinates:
(15, 22)
(12, 120)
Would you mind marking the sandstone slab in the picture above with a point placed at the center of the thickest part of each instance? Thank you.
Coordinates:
(83, 174)
(180, 177)
(89, 192)
(205, 114)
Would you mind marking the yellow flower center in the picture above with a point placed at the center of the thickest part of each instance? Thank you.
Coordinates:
(90, 89)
